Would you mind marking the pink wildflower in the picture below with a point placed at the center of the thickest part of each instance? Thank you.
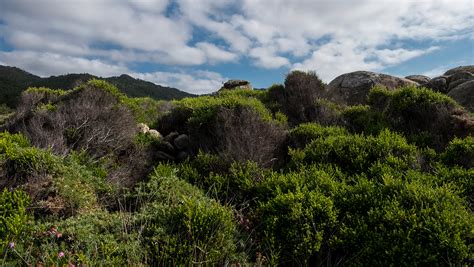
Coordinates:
(61, 254)
(11, 245)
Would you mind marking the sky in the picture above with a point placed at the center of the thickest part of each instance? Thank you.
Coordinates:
(196, 45)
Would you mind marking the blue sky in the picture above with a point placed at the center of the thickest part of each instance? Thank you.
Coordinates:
(196, 45)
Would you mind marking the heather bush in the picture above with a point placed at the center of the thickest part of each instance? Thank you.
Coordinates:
(97, 238)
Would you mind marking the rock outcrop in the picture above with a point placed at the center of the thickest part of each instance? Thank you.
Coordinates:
(420, 79)
(237, 84)
(451, 79)
(353, 88)
(174, 147)
(464, 95)
(469, 69)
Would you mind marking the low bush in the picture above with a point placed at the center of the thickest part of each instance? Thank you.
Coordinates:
(294, 226)
(460, 152)
(58, 186)
(298, 97)
(97, 238)
(236, 127)
(408, 223)
(181, 225)
(304, 133)
(357, 153)
(90, 118)
(427, 118)
(363, 119)
(13, 217)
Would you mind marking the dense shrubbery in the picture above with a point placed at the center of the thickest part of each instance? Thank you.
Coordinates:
(297, 98)
(235, 125)
(350, 186)
(427, 118)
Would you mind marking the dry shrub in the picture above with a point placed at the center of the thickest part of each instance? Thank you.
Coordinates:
(243, 135)
(89, 119)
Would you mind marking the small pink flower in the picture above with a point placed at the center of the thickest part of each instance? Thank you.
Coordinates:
(11, 245)
(61, 254)
(58, 235)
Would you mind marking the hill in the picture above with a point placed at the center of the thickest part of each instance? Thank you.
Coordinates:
(13, 81)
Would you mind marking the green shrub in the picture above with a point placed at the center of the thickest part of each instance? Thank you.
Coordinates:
(425, 117)
(460, 178)
(356, 153)
(98, 238)
(304, 133)
(297, 98)
(4, 109)
(181, 225)
(407, 223)
(294, 225)
(13, 216)
(56, 185)
(460, 152)
(363, 119)
(145, 110)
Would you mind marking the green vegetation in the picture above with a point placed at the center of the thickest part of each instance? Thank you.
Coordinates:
(389, 183)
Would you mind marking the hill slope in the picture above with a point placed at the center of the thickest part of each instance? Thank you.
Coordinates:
(14, 80)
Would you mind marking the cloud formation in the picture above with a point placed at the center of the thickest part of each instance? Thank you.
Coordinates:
(106, 37)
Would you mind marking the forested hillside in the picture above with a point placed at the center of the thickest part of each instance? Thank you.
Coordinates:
(13, 81)
(301, 173)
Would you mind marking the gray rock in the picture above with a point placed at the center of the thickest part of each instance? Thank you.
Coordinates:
(171, 136)
(455, 84)
(460, 75)
(181, 142)
(421, 79)
(182, 156)
(353, 88)
(464, 95)
(469, 68)
(236, 84)
(439, 84)
(164, 156)
(459, 78)
(166, 147)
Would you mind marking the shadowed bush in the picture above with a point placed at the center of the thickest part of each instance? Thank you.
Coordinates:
(427, 118)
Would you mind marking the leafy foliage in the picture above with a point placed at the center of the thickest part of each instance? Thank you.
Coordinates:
(360, 185)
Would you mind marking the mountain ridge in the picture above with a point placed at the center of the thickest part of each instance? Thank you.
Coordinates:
(14, 80)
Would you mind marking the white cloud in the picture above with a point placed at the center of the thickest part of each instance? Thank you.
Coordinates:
(265, 57)
(47, 64)
(215, 54)
(395, 56)
(200, 82)
(331, 37)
